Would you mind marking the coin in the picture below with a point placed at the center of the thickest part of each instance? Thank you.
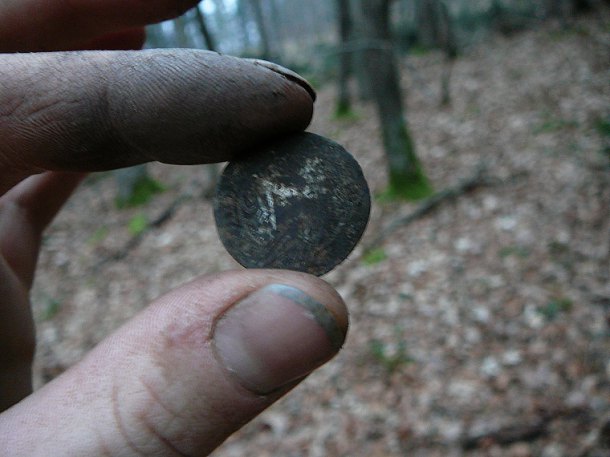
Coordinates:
(301, 203)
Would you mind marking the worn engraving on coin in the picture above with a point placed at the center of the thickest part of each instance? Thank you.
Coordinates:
(301, 204)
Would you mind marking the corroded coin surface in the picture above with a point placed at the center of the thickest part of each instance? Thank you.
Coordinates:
(301, 204)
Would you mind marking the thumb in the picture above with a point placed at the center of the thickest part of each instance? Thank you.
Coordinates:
(187, 372)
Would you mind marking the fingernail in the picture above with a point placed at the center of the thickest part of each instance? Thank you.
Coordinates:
(274, 336)
(288, 74)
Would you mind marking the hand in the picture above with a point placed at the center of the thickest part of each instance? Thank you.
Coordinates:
(200, 362)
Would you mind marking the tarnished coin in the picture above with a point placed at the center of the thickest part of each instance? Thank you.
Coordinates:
(300, 204)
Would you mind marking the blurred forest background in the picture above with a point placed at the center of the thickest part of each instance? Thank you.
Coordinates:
(480, 294)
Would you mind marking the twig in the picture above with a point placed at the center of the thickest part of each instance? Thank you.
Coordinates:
(478, 179)
(508, 435)
(135, 241)
(599, 436)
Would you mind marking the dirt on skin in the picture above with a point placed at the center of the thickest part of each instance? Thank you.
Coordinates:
(491, 312)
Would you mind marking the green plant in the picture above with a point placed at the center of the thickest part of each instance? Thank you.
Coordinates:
(99, 235)
(391, 359)
(555, 307)
(419, 50)
(603, 128)
(552, 124)
(374, 256)
(516, 251)
(558, 251)
(143, 190)
(137, 224)
(51, 309)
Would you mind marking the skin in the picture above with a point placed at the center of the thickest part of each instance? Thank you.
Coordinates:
(63, 114)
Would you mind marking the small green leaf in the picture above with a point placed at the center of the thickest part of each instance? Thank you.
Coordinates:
(142, 192)
(51, 309)
(516, 251)
(553, 124)
(99, 235)
(603, 127)
(137, 224)
(556, 306)
(390, 360)
(374, 256)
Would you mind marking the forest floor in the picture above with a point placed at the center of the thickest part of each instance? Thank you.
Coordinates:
(481, 329)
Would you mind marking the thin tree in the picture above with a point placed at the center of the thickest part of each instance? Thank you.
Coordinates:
(565, 9)
(344, 103)
(244, 21)
(358, 52)
(210, 42)
(180, 25)
(427, 23)
(276, 29)
(406, 177)
(259, 18)
(435, 30)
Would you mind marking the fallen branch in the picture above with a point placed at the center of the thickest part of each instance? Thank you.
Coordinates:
(508, 435)
(478, 179)
(598, 437)
(135, 241)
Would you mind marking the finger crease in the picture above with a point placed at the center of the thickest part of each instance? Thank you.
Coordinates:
(163, 440)
(120, 423)
(173, 414)
(158, 401)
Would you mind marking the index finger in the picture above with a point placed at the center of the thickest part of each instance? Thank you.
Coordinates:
(43, 25)
(99, 110)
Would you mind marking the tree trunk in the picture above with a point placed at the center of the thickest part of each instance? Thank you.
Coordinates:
(344, 104)
(565, 9)
(265, 45)
(561, 9)
(276, 31)
(449, 46)
(358, 53)
(406, 179)
(210, 43)
(242, 16)
(155, 38)
(427, 23)
(182, 39)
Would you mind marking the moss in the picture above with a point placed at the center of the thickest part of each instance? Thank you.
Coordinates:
(406, 177)
(412, 187)
(345, 113)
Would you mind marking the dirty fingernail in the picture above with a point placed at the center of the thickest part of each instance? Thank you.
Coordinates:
(288, 74)
(274, 336)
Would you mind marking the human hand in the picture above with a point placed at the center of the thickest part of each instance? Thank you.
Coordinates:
(206, 358)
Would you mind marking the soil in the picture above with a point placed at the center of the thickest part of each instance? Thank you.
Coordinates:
(488, 316)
